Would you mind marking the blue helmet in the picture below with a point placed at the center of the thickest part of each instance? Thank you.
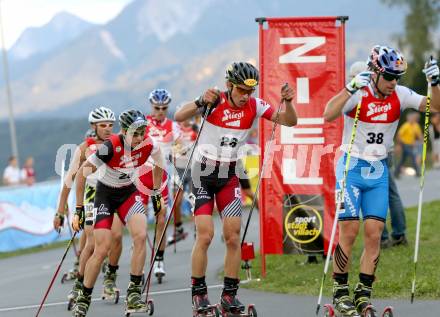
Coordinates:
(160, 97)
(384, 59)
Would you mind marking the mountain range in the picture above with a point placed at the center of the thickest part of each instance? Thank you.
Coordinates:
(69, 65)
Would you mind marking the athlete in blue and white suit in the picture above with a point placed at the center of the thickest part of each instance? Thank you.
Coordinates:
(366, 189)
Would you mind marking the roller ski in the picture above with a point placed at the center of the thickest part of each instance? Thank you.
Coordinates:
(179, 235)
(110, 291)
(202, 307)
(230, 306)
(159, 270)
(71, 275)
(73, 294)
(82, 304)
(134, 303)
(362, 295)
(342, 303)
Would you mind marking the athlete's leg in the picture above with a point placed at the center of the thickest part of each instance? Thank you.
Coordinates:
(231, 233)
(87, 251)
(116, 245)
(137, 225)
(103, 238)
(205, 233)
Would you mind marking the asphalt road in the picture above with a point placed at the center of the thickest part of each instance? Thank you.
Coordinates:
(24, 279)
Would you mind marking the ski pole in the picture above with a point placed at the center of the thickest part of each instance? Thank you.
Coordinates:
(338, 207)
(422, 185)
(179, 190)
(56, 274)
(263, 167)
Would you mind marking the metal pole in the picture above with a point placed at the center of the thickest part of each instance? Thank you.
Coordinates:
(12, 130)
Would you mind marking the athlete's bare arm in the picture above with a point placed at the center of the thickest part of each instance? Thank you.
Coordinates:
(288, 117)
(334, 107)
(78, 158)
(85, 170)
(435, 100)
(190, 109)
(157, 169)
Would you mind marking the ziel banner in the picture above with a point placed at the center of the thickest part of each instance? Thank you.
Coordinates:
(297, 191)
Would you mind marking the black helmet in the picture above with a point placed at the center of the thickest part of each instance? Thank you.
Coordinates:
(132, 119)
(241, 73)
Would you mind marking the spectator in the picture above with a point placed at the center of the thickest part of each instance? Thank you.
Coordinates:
(27, 172)
(409, 136)
(435, 139)
(12, 175)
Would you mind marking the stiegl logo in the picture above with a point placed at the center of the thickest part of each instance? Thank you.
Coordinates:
(228, 115)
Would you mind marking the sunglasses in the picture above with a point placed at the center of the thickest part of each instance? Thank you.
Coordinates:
(391, 77)
(161, 108)
(243, 91)
(105, 125)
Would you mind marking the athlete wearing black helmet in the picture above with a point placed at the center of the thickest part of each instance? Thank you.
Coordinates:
(119, 160)
(214, 177)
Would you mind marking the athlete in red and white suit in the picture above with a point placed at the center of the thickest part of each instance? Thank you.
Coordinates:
(213, 170)
(118, 163)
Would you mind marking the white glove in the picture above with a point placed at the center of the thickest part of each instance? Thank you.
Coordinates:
(432, 72)
(359, 81)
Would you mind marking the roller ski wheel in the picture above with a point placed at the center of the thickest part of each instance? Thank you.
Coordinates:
(230, 306)
(112, 297)
(202, 308)
(148, 309)
(369, 311)
(70, 304)
(252, 312)
(71, 275)
(159, 270)
(388, 312)
(329, 310)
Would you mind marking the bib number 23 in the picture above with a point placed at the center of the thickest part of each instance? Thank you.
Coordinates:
(229, 141)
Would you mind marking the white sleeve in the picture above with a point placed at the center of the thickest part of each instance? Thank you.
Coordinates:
(352, 102)
(177, 132)
(6, 173)
(155, 146)
(263, 109)
(408, 98)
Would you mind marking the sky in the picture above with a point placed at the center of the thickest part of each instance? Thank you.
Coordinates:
(20, 14)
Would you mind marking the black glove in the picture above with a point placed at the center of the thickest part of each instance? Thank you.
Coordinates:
(156, 200)
(203, 105)
(79, 211)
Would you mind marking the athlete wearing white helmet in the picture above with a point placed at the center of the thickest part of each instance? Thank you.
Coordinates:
(381, 101)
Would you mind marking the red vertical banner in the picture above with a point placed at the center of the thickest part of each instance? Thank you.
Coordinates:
(297, 191)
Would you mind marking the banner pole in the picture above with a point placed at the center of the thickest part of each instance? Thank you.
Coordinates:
(261, 203)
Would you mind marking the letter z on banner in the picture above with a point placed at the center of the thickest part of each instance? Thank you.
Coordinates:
(297, 191)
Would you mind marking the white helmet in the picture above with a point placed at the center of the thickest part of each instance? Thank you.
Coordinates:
(101, 114)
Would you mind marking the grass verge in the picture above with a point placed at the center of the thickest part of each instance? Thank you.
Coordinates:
(288, 274)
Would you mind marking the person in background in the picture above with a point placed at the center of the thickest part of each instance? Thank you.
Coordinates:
(435, 139)
(28, 172)
(12, 175)
(409, 135)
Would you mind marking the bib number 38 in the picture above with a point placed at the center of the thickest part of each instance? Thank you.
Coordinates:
(375, 138)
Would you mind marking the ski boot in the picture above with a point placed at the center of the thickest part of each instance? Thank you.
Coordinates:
(82, 304)
(159, 270)
(362, 295)
(71, 275)
(177, 236)
(230, 306)
(134, 302)
(342, 304)
(73, 294)
(110, 291)
(202, 307)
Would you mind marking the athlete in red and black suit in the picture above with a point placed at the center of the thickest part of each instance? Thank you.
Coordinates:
(118, 163)
(213, 172)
